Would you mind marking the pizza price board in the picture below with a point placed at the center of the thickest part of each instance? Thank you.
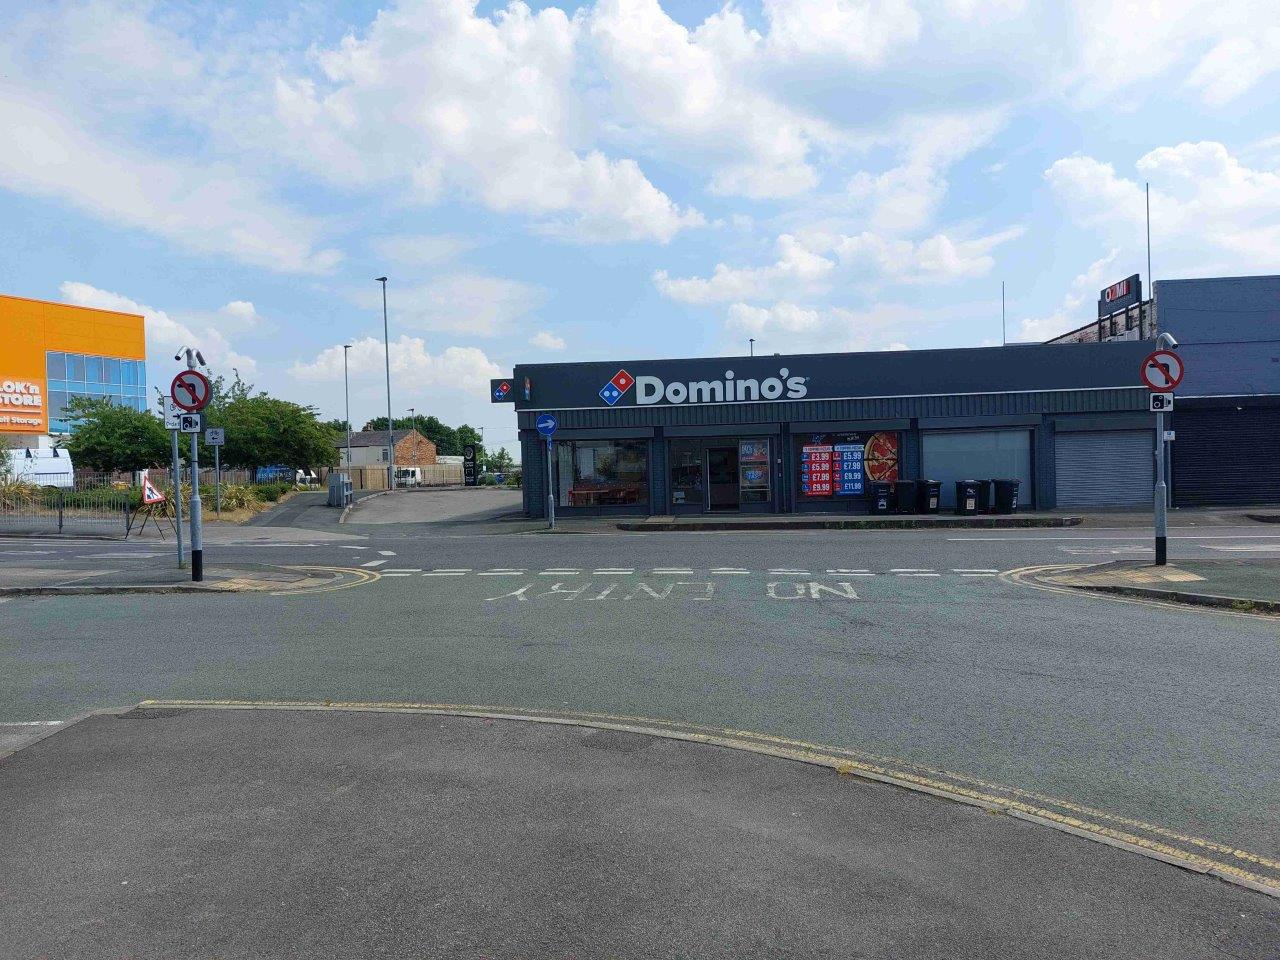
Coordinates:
(847, 463)
(190, 390)
(816, 469)
(1162, 371)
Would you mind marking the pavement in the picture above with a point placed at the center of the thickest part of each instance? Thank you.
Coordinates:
(166, 831)
(811, 521)
(113, 578)
(1242, 585)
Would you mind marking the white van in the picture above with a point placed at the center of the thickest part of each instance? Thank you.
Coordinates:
(48, 467)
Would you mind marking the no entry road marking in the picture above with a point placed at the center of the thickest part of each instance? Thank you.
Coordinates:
(386, 553)
(373, 563)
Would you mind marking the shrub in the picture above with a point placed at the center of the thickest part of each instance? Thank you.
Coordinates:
(13, 492)
(239, 496)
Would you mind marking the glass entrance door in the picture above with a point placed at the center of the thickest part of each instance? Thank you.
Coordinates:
(722, 478)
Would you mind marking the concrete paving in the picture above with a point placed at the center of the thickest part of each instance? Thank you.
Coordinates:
(1245, 585)
(200, 833)
(428, 505)
(114, 578)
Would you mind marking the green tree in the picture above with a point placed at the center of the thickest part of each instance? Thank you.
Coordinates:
(468, 434)
(107, 436)
(265, 431)
(501, 462)
(337, 425)
(447, 440)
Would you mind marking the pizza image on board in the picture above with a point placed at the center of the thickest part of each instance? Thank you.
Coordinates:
(880, 457)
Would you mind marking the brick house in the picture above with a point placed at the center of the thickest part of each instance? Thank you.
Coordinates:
(369, 449)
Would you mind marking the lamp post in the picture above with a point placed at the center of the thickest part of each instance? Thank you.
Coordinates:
(751, 343)
(346, 391)
(413, 425)
(391, 436)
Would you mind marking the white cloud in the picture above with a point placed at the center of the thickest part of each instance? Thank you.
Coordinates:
(425, 250)
(468, 304)
(436, 99)
(413, 367)
(904, 198)
(795, 266)
(789, 328)
(546, 340)
(1209, 211)
(938, 258)
(1223, 48)
(206, 208)
(1077, 306)
(693, 90)
(862, 32)
(165, 335)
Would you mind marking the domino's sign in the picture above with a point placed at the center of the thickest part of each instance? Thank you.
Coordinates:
(728, 388)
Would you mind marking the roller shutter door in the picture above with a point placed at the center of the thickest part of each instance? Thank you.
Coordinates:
(1226, 456)
(977, 455)
(1111, 468)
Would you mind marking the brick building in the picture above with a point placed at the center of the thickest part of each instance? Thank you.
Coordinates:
(369, 449)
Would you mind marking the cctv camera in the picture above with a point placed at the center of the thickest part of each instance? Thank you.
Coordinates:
(1167, 341)
(200, 357)
(177, 356)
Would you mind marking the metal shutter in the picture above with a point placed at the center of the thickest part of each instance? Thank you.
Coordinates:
(1226, 456)
(954, 455)
(1105, 469)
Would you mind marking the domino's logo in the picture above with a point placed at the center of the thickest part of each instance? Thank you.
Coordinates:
(501, 390)
(613, 391)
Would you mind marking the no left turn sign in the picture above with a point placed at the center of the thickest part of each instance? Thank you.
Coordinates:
(190, 390)
(1162, 371)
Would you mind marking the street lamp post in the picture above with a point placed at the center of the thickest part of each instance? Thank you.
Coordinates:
(413, 425)
(346, 391)
(751, 341)
(391, 436)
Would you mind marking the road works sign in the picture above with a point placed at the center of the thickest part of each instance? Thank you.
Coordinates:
(190, 390)
(1162, 370)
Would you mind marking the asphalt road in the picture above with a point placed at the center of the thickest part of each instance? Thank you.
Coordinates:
(901, 644)
(285, 833)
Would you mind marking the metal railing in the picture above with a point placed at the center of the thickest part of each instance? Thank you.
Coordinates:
(89, 506)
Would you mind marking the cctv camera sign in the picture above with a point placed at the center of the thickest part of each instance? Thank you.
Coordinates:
(22, 406)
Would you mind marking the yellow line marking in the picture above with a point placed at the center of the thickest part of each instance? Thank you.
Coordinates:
(1019, 576)
(845, 761)
(362, 577)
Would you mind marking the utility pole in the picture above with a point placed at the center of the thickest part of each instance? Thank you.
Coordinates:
(1004, 329)
(346, 391)
(391, 435)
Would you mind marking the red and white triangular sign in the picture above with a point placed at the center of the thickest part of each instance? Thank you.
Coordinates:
(150, 494)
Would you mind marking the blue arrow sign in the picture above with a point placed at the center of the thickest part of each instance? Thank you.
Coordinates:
(546, 425)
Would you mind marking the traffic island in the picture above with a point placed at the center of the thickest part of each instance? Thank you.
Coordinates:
(859, 522)
(170, 830)
(1248, 586)
(242, 578)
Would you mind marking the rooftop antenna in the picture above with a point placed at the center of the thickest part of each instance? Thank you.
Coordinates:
(752, 343)
(1004, 331)
(1151, 283)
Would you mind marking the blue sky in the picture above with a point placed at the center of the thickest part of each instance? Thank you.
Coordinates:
(621, 179)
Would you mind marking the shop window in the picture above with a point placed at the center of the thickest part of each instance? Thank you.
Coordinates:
(75, 367)
(603, 473)
(753, 471)
(113, 371)
(686, 473)
(56, 366)
(832, 466)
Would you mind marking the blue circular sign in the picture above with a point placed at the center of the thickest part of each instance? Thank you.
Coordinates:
(546, 425)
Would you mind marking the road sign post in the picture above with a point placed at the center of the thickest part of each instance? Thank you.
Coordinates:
(190, 390)
(1161, 372)
(177, 498)
(547, 425)
(214, 437)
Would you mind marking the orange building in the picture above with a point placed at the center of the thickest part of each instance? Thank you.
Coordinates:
(51, 352)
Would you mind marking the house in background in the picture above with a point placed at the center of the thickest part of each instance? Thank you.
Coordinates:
(369, 449)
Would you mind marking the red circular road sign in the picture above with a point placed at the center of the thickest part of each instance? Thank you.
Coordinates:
(1162, 370)
(190, 390)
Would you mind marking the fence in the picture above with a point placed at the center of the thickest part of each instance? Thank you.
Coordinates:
(432, 475)
(91, 506)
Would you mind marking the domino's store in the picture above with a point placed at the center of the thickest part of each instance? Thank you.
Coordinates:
(815, 432)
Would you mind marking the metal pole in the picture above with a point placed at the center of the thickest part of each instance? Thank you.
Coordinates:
(551, 490)
(391, 437)
(197, 516)
(1151, 282)
(177, 498)
(217, 480)
(1004, 329)
(751, 341)
(346, 390)
(1160, 496)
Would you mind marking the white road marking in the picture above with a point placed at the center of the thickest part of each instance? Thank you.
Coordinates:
(1244, 546)
(911, 569)
(388, 573)
(726, 570)
(501, 572)
(613, 572)
(116, 556)
(31, 723)
(347, 546)
(373, 563)
(849, 570)
(919, 574)
(974, 570)
(386, 553)
(5, 599)
(1197, 536)
(672, 570)
(28, 553)
(446, 573)
(789, 572)
(403, 570)
(559, 572)
(979, 574)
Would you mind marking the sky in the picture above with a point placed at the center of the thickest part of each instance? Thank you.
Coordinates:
(620, 179)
